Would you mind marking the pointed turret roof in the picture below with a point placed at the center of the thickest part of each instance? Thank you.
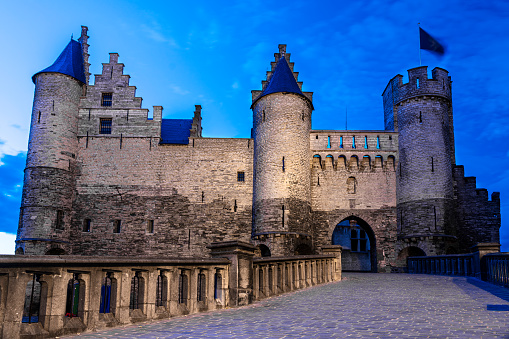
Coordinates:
(282, 80)
(70, 62)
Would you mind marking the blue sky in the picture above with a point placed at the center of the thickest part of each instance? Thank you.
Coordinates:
(214, 53)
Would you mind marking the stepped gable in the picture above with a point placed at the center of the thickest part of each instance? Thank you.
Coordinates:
(176, 131)
(69, 62)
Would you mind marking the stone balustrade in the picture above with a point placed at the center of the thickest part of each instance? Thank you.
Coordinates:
(452, 264)
(273, 276)
(497, 265)
(48, 296)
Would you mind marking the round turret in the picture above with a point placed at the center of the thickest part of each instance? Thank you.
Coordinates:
(49, 180)
(281, 198)
(423, 118)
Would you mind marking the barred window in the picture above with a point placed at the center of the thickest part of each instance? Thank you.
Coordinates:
(240, 176)
(105, 127)
(107, 99)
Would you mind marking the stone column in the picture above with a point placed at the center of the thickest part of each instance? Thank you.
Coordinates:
(480, 250)
(240, 279)
(336, 265)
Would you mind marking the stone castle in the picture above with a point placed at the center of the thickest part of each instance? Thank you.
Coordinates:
(104, 178)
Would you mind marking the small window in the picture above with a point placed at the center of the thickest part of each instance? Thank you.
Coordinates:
(107, 99)
(240, 176)
(353, 142)
(59, 222)
(150, 226)
(116, 226)
(105, 127)
(86, 225)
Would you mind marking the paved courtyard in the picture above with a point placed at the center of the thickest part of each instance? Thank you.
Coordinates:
(363, 305)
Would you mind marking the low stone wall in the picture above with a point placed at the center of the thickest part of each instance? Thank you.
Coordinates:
(452, 264)
(273, 276)
(48, 296)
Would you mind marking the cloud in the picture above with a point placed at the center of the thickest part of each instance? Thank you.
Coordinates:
(178, 90)
(7, 243)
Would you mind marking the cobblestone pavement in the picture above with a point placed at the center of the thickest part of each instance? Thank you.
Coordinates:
(363, 305)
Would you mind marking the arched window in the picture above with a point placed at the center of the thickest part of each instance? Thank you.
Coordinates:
(183, 287)
(75, 297)
(202, 287)
(317, 161)
(106, 291)
(32, 300)
(137, 292)
(264, 250)
(351, 185)
(161, 290)
(341, 162)
(218, 287)
(354, 162)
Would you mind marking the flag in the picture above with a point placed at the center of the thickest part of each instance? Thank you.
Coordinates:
(429, 43)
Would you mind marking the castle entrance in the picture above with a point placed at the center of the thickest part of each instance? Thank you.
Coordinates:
(359, 245)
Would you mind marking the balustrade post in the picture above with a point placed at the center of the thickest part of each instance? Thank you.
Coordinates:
(480, 250)
(240, 278)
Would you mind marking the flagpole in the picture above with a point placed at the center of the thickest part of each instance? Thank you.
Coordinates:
(419, 25)
(346, 118)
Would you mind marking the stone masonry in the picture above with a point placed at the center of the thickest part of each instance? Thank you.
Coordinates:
(105, 178)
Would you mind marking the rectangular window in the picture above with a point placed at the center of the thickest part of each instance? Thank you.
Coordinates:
(59, 222)
(107, 99)
(240, 176)
(86, 225)
(116, 226)
(105, 127)
(150, 226)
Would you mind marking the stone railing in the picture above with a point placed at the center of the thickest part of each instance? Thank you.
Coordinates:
(485, 262)
(452, 264)
(48, 296)
(273, 276)
(497, 268)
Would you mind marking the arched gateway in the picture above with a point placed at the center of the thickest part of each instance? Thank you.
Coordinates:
(359, 245)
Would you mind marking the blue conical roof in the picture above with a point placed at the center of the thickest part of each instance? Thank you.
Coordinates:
(282, 80)
(70, 62)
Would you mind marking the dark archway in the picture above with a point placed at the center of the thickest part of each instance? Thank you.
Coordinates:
(410, 251)
(55, 251)
(264, 250)
(303, 249)
(451, 250)
(359, 244)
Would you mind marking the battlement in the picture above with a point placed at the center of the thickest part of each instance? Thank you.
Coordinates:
(418, 85)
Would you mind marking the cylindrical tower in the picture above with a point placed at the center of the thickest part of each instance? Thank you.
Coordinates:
(422, 111)
(281, 198)
(49, 181)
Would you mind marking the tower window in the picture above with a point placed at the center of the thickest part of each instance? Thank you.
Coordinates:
(86, 225)
(59, 222)
(378, 142)
(328, 142)
(240, 176)
(353, 142)
(340, 142)
(365, 142)
(116, 226)
(105, 127)
(107, 99)
(417, 83)
(150, 226)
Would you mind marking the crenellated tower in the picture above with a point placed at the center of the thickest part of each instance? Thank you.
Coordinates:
(421, 112)
(49, 182)
(281, 193)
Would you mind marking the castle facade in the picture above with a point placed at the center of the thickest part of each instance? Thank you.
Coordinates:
(102, 178)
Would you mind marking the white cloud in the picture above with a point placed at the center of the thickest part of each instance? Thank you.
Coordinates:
(7, 243)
